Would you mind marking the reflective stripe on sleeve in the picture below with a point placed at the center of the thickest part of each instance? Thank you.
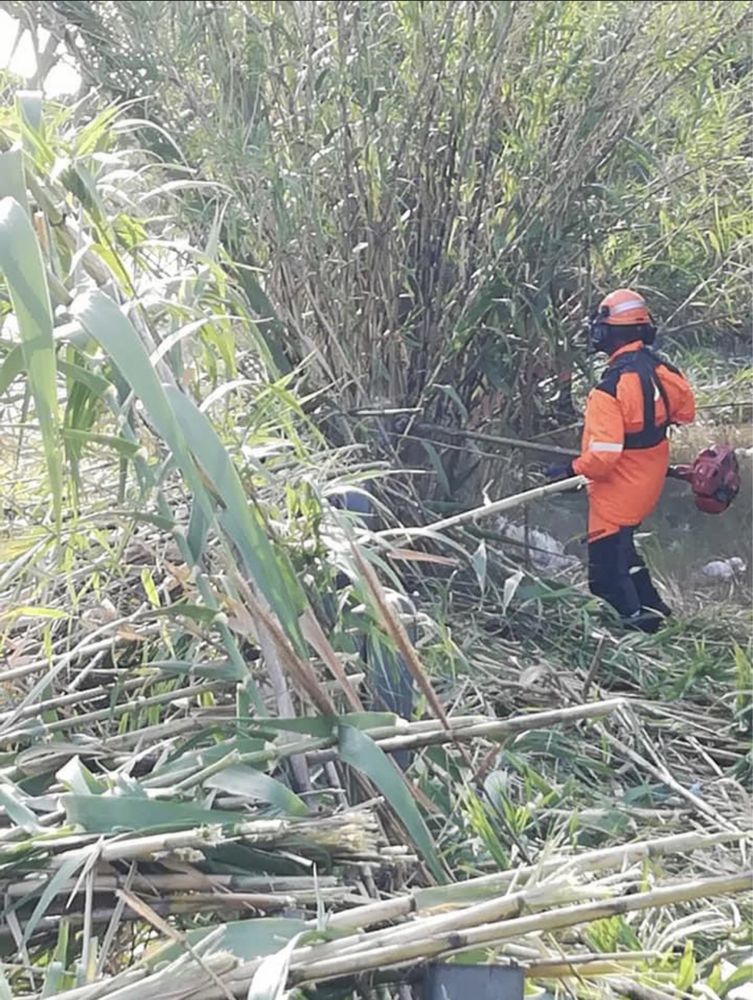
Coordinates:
(605, 446)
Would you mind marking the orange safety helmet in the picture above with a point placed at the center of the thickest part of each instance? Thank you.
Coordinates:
(624, 308)
(621, 308)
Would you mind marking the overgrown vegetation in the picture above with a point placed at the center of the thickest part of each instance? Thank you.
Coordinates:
(430, 195)
(279, 251)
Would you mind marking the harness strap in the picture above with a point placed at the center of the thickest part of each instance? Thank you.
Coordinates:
(644, 363)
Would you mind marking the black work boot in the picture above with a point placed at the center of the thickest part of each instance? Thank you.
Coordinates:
(658, 606)
(648, 595)
(644, 620)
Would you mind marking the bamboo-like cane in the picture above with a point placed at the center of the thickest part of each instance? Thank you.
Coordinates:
(549, 449)
(486, 934)
(36, 731)
(491, 729)
(173, 982)
(637, 991)
(346, 833)
(420, 734)
(80, 697)
(292, 885)
(441, 925)
(468, 892)
(663, 775)
(564, 969)
(586, 964)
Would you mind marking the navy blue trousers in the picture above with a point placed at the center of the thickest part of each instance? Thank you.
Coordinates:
(618, 575)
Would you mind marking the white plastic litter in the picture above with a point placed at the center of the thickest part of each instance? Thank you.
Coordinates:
(547, 553)
(743, 992)
(724, 569)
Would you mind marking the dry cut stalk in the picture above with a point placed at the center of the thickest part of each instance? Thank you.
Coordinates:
(105, 713)
(308, 969)
(586, 964)
(313, 634)
(349, 833)
(150, 916)
(491, 729)
(298, 669)
(565, 969)
(637, 991)
(76, 697)
(392, 625)
(440, 925)
(293, 886)
(663, 775)
(549, 449)
(549, 920)
(463, 893)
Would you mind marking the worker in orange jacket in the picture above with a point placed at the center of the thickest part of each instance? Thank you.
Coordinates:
(625, 453)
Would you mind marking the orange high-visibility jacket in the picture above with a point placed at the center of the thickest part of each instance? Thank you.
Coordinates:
(624, 450)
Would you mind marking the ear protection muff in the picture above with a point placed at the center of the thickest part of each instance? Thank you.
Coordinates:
(649, 335)
(597, 330)
(602, 335)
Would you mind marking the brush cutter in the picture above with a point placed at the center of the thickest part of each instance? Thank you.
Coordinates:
(714, 478)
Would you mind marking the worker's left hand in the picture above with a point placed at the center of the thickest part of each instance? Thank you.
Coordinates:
(553, 472)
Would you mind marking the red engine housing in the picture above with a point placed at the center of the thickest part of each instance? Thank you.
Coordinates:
(714, 478)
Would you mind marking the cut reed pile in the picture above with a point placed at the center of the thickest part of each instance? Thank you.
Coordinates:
(147, 815)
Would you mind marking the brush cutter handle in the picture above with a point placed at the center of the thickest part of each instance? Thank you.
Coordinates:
(684, 472)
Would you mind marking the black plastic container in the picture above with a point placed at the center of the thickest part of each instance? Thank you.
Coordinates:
(472, 982)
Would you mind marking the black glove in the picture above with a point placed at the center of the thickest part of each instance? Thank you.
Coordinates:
(553, 472)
